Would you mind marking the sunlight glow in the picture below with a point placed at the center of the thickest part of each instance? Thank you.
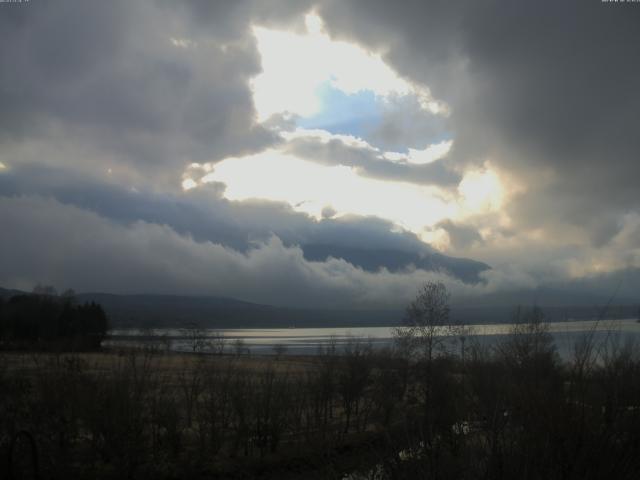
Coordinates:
(313, 23)
(481, 191)
(295, 66)
(310, 188)
(188, 184)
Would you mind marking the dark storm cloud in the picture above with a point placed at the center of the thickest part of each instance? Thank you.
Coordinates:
(371, 163)
(232, 19)
(109, 74)
(103, 255)
(204, 214)
(532, 85)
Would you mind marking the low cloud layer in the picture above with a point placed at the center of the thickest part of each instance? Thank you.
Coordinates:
(104, 255)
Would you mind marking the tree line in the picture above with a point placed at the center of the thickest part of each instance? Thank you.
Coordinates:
(44, 320)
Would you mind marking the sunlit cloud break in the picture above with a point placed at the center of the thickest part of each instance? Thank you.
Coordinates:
(310, 187)
(294, 66)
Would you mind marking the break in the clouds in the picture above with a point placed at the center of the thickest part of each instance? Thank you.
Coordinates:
(318, 153)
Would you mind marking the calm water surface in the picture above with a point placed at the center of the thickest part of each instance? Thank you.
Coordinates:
(308, 340)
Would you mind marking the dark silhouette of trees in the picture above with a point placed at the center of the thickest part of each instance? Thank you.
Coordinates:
(43, 320)
(426, 329)
(510, 411)
(45, 290)
(426, 324)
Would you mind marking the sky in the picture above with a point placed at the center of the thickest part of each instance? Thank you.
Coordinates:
(331, 153)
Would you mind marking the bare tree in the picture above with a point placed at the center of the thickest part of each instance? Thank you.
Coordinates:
(529, 339)
(218, 342)
(427, 324)
(240, 347)
(427, 327)
(196, 337)
(354, 377)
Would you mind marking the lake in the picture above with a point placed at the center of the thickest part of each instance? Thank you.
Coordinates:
(306, 341)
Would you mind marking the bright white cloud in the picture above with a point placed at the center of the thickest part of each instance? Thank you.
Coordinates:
(326, 137)
(481, 191)
(310, 187)
(430, 154)
(188, 184)
(295, 66)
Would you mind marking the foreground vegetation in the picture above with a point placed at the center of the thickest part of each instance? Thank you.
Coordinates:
(437, 405)
(513, 411)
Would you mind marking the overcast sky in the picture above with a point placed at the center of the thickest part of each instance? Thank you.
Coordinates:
(199, 147)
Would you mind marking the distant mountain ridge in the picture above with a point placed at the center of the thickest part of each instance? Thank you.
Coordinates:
(224, 312)
(9, 292)
(141, 311)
